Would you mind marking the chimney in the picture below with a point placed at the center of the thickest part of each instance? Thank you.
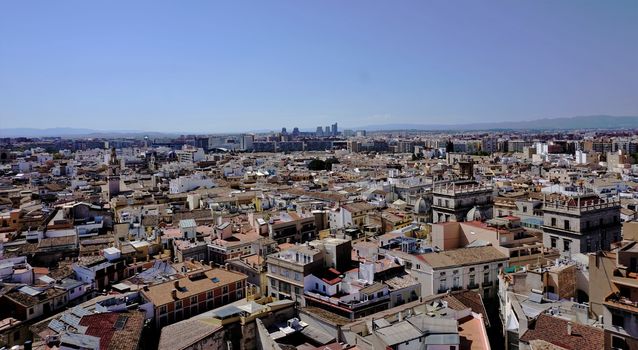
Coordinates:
(174, 294)
(176, 283)
(569, 328)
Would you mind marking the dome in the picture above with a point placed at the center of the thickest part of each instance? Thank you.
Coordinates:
(474, 214)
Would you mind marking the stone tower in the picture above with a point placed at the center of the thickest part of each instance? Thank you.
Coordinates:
(113, 175)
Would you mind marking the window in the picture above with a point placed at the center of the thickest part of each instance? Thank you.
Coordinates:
(323, 287)
(486, 277)
(566, 224)
(524, 209)
(418, 266)
(297, 276)
(30, 311)
(225, 289)
(617, 320)
(163, 309)
(553, 241)
(209, 294)
(566, 244)
(472, 280)
(618, 343)
(553, 221)
(316, 285)
(178, 304)
(379, 294)
(447, 203)
(457, 282)
(443, 284)
(238, 286)
(194, 300)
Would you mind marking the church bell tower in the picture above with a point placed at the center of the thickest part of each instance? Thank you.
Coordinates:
(113, 175)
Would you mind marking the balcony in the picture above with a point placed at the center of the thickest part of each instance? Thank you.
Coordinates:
(622, 302)
(350, 304)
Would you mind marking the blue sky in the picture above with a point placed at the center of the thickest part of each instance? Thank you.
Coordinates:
(216, 66)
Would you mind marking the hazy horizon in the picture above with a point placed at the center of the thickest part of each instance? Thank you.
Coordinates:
(237, 66)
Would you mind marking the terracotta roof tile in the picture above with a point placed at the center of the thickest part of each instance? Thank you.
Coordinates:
(554, 330)
(160, 294)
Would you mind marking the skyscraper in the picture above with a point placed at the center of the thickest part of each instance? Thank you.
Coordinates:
(247, 141)
(335, 131)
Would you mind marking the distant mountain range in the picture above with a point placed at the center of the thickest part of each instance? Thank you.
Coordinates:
(583, 122)
(74, 132)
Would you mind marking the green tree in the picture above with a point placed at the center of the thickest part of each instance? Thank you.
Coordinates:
(330, 162)
(317, 164)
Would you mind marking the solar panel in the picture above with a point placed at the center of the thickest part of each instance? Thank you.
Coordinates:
(120, 323)
(80, 311)
(29, 291)
(70, 319)
(57, 326)
(100, 309)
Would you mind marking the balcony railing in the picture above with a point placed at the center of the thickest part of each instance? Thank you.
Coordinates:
(351, 304)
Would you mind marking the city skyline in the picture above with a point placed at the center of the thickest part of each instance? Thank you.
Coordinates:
(234, 67)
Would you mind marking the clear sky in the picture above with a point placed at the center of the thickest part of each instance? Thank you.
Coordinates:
(216, 66)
